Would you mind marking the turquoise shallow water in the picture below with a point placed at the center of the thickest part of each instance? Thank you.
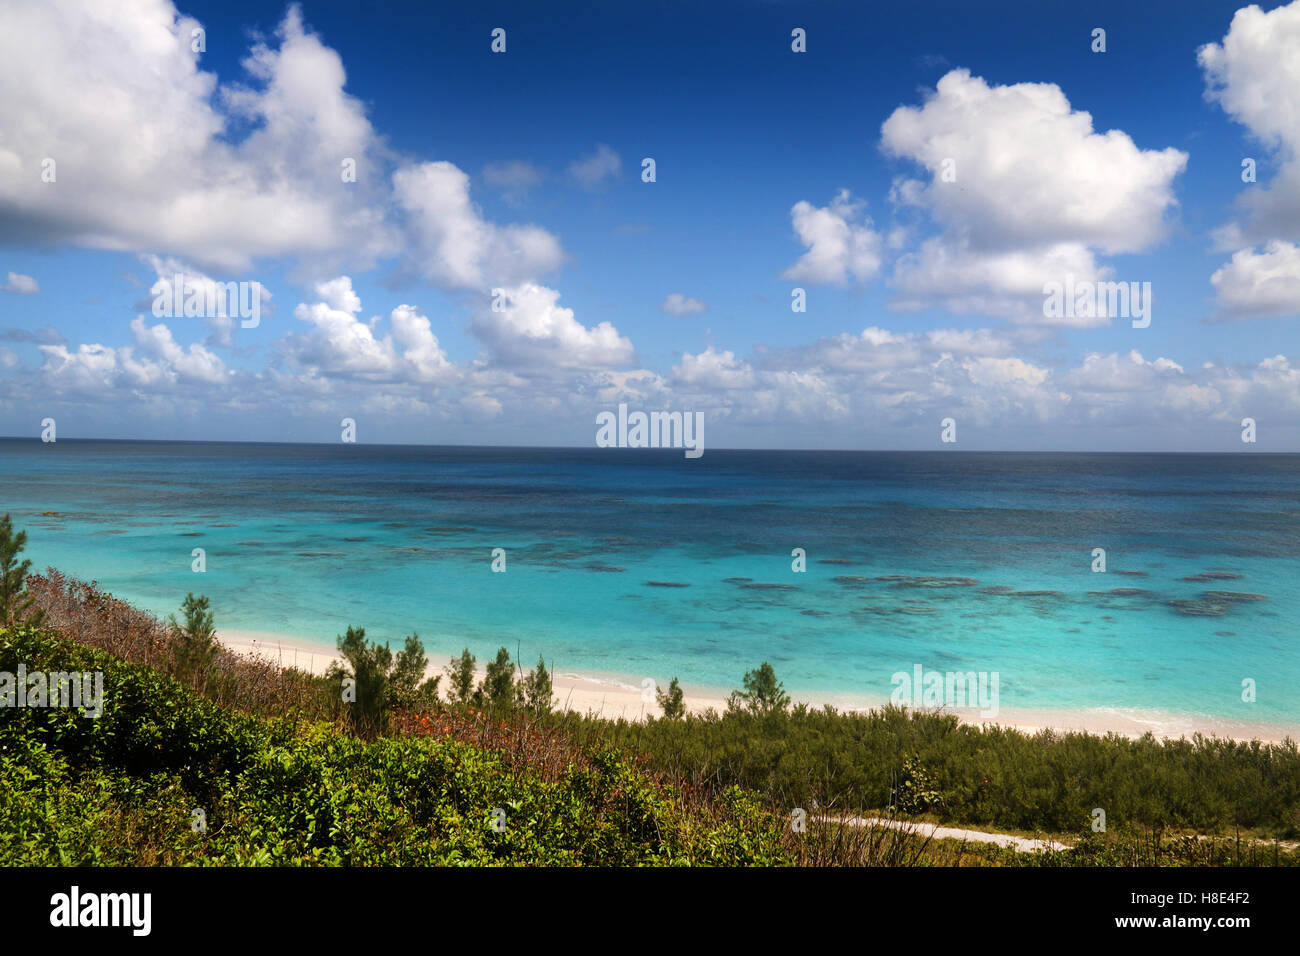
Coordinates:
(303, 540)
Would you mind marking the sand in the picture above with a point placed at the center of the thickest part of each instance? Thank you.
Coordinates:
(613, 696)
(604, 696)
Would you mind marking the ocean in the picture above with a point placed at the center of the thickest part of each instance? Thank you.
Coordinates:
(625, 564)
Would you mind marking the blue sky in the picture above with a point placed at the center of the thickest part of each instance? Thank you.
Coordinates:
(521, 170)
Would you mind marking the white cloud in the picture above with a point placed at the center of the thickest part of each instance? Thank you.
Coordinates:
(1114, 375)
(413, 335)
(339, 295)
(457, 247)
(152, 163)
(534, 334)
(993, 282)
(479, 406)
(340, 344)
(160, 365)
(839, 246)
(20, 284)
(678, 304)
(1254, 74)
(194, 363)
(144, 163)
(1004, 371)
(713, 369)
(541, 368)
(1260, 283)
(592, 171)
(1035, 194)
(91, 368)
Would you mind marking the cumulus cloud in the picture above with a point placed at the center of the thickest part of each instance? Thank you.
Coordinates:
(1024, 192)
(592, 171)
(1254, 75)
(170, 163)
(176, 363)
(533, 333)
(1255, 72)
(541, 366)
(1009, 282)
(1119, 375)
(413, 335)
(1260, 283)
(157, 363)
(678, 304)
(1004, 371)
(840, 241)
(714, 369)
(153, 163)
(20, 284)
(457, 247)
(145, 163)
(339, 343)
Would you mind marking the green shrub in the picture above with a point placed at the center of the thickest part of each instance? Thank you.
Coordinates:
(124, 789)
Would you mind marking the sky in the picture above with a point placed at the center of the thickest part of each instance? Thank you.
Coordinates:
(498, 270)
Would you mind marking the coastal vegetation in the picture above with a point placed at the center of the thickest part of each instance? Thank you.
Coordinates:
(165, 776)
(206, 755)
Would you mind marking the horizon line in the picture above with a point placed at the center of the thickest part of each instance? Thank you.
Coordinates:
(890, 451)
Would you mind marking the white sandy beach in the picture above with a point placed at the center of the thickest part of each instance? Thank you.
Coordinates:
(615, 697)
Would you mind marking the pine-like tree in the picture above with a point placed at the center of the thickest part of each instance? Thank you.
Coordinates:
(498, 687)
(15, 602)
(763, 693)
(460, 673)
(672, 701)
(537, 689)
(196, 645)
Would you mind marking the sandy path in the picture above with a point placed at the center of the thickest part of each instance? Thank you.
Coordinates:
(934, 831)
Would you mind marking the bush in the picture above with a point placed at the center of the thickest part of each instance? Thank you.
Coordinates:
(380, 682)
(123, 789)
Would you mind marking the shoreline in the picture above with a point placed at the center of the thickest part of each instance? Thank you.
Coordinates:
(612, 697)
